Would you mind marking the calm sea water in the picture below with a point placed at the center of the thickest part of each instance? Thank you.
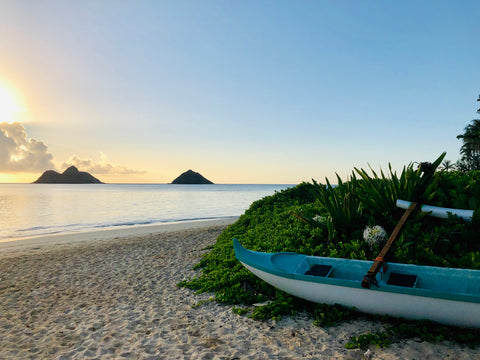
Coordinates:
(40, 209)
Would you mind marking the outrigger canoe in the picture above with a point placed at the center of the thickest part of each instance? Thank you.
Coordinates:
(439, 212)
(445, 295)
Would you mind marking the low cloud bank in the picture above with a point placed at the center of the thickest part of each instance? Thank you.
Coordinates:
(18, 153)
(99, 167)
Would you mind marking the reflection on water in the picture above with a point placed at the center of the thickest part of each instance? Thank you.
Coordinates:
(37, 209)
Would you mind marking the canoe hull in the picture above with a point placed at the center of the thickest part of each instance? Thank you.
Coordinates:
(445, 295)
(449, 312)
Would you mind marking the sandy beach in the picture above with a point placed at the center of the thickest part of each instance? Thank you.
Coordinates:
(113, 295)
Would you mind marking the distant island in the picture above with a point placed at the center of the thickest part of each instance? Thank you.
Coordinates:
(69, 176)
(191, 177)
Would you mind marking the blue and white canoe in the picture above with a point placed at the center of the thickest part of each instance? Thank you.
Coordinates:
(445, 295)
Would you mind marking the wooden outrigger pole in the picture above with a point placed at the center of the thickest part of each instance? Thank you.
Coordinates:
(428, 171)
(369, 278)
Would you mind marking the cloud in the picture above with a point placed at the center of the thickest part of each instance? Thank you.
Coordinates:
(18, 153)
(99, 167)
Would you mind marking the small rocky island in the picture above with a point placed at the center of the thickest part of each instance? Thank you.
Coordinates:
(191, 177)
(69, 176)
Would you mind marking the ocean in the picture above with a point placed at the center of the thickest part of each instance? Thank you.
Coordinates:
(28, 210)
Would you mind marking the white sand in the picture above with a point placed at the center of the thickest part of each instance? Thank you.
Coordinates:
(116, 298)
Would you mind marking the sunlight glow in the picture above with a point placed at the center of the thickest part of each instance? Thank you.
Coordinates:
(17, 178)
(10, 104)
(16, 158)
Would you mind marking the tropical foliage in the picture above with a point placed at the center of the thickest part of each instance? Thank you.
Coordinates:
(447, 165)
(380, 193)
(470, 149)
(328, 220)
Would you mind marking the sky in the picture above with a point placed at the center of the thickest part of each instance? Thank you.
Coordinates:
(251, 91)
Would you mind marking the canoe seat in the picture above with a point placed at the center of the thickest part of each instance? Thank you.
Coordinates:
(405, 280)
(319, 270)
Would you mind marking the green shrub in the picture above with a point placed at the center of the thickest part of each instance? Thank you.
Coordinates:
(269, 225)
(344, 209)
(380, 193)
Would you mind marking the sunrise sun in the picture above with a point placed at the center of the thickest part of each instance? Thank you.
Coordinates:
(10, 104)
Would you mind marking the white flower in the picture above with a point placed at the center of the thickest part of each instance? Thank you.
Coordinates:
(319, 218)
(374, 235)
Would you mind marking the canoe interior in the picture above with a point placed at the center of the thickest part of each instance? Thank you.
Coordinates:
(445, 280)
(399, 279)
(424, 280)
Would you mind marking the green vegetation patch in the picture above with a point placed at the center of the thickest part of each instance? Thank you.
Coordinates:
(326, 220)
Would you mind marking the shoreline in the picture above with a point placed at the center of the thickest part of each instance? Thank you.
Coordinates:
(118, 298)
(110, 233)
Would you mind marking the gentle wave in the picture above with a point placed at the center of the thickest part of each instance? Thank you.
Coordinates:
(46, 230)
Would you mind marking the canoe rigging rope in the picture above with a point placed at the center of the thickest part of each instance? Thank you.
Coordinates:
(368, 281)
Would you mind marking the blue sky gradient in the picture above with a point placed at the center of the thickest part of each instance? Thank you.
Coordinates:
(240, 91)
